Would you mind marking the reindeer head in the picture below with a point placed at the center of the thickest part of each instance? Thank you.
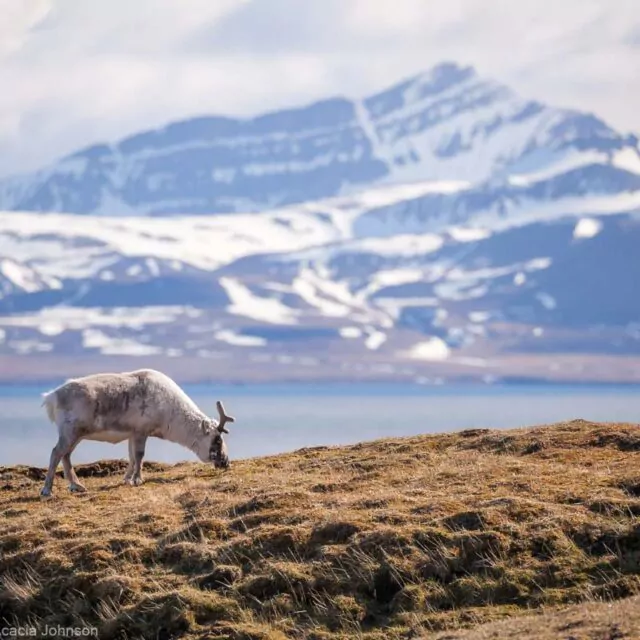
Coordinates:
(217, 446)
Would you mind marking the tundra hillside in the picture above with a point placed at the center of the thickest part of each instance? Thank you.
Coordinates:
(479, 534)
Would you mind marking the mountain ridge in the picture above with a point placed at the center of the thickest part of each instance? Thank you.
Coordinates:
(445, 124)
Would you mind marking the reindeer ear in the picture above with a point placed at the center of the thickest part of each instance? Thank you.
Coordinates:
(204, 425)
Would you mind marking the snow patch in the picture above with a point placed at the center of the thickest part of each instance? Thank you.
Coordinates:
(538, 264)
(116, 346)
(568, 162)
(547, 301)
(238, 340)
(245, 303)
(398, 245)
(322, 294)
(389, 194)
(587, 228)
(51, 328)
(350, 332)
(202, 242)
(375, 340)
(153, 267)
(479, 316)
(24, 277)
(468, 234)
(627, 159)
(389, 278)
(433, 349)
(75, 318)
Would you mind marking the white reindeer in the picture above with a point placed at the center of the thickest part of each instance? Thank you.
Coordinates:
(136, 405)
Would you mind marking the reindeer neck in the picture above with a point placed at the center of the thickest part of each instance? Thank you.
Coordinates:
(187, 431)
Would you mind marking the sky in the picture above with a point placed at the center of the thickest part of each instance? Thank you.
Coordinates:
(78, 72)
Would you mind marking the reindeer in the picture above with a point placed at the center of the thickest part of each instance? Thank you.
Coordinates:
(135, 405)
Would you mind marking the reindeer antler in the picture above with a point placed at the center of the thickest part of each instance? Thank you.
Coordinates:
(224, 418)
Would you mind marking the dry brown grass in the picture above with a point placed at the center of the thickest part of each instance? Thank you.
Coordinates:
(618, 620)
(398, 538)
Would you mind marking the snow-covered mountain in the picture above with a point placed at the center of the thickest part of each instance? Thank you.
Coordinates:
(442, 229)
(318, 290)
(447, 125)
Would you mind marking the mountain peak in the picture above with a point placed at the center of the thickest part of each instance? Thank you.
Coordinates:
(427, 84)
(445, 124)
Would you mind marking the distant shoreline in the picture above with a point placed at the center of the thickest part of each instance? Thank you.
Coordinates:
(356, 387)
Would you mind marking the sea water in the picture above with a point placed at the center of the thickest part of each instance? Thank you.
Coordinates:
(279, 418)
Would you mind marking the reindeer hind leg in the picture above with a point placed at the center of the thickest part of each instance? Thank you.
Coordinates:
(75, 485)
(67, 440)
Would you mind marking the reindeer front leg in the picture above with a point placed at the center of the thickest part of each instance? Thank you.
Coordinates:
(128, 474)
(139, 442)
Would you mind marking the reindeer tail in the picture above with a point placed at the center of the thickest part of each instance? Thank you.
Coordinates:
(50, 402)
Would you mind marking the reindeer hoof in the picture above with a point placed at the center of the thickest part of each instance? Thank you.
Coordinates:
(76, 487)
(137, 482)
(46, 493)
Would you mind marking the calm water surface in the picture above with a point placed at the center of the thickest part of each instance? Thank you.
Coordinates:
(274, 419)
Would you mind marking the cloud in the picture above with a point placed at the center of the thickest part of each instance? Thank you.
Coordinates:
(17, 19)
(84, 72)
